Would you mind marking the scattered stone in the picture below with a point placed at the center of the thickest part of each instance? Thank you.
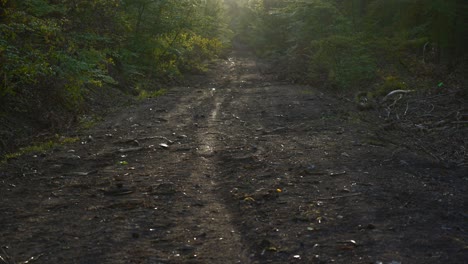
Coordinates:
(73, 157)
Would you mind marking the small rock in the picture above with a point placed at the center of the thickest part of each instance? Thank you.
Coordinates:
(74, 157)
(186, 248)
(164, 145)
(162, 119)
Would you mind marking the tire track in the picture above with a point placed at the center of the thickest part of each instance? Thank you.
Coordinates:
(208, 226)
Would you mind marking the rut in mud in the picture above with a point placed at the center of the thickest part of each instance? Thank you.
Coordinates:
(237, 168)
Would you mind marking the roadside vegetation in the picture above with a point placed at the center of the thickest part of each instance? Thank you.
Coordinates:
(59, 57)
(373, 45)
(405, 61)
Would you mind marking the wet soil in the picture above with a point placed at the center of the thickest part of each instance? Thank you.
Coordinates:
(235, 168)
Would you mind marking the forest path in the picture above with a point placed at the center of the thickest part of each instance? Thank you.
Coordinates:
(237, 168)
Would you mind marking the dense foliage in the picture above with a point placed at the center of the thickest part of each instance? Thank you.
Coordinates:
(51, 50)
(54, 52)
(356, 43)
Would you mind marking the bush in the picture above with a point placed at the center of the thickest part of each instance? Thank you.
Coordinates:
(344, 62)
(390, 83)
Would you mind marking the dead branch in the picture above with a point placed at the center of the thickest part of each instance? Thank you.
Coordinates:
(424, 51)
(396, 92)
(432, 109)
(396, 101)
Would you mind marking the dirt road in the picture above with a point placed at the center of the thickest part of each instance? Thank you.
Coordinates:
(237, 168)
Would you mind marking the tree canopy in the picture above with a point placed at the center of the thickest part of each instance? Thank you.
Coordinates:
(348, 44)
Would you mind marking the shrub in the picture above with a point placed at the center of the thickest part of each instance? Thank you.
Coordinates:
(345, 62)
(390, 83)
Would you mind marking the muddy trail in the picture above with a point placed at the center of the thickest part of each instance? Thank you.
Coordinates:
(237, 168)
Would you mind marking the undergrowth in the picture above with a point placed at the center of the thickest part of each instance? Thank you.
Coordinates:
(145, 94)
(39, 147)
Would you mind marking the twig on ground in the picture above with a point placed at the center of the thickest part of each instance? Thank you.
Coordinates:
(425, 150)
(4, 257)
(340, 196)
(158, 137)
(439, 95)
(31, 259)
(432, 109)
(389, 112)
(396, 101)
(407, 107)
(130, 150)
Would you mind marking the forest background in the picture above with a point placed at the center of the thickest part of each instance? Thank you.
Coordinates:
(62, 59)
